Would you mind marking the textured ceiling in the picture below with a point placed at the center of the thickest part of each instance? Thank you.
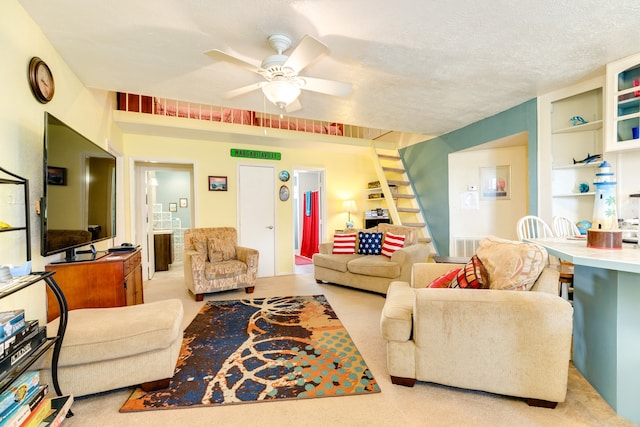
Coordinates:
(420, 66)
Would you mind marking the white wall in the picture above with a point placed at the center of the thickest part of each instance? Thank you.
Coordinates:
(487, 217)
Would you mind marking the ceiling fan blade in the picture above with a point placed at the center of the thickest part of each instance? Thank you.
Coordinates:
(294, 106)
(222, 56)
(308, 50)
(328, 87)
(242, 90)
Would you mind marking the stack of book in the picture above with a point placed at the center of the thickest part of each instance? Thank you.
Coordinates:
(377, 213)
(18, 339)
(25, 404)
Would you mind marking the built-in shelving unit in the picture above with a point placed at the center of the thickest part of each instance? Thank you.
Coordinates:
(623, 104)
(572, 145)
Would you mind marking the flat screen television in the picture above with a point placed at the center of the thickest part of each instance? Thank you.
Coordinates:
(78, 207)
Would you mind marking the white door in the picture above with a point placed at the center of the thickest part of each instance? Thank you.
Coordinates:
(256, 214)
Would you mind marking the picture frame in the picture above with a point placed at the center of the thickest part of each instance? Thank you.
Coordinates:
(56, 175)
(217, 183)
(495, 182)
(173, 207)
(183, 202)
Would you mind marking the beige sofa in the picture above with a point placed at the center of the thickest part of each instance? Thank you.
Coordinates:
(509, 342)
(370, 272)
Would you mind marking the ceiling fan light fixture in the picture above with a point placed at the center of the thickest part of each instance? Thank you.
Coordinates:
(281, 92)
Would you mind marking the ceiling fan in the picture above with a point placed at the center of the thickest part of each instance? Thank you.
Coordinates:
(282, 83)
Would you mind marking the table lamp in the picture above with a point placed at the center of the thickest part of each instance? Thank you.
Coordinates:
(350, 207)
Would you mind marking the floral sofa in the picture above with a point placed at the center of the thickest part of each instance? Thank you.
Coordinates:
(371, 272)
(213, 261)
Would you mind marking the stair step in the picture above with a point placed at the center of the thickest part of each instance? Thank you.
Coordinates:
(395, 170)
(410, 210)
(413, 224)
(388, 157)
(424, 239)
(404, 196)
(395, 182)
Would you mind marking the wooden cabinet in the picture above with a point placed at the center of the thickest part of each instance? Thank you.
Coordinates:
(163, 250)
(111, 281)
(623, 104)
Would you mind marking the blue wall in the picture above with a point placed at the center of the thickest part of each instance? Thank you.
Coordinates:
(427, 167)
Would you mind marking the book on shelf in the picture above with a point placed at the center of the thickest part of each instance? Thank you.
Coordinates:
(23, 351)
(10, 323)
(39, 409)
(11, 343)
(17, 417)
(59, 409)
(18, 392)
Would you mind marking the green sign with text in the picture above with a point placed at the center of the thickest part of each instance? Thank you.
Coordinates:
(255, 154)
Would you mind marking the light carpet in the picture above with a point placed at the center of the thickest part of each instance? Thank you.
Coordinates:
(262, 349)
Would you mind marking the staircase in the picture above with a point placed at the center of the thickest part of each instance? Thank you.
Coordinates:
(395, 186)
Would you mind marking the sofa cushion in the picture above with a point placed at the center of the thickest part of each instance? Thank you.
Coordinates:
(392, 242)
(472, 276)
(333, 262)
(224, 269)
(511, 265)
(369, 243)
(344, 243)
(445, 280)
(410, 235)
(377, 266)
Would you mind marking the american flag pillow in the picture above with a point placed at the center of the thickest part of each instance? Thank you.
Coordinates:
(392, 242)
(344, 243)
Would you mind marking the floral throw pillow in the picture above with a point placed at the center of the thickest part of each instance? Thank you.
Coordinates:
(472, 276)
(370, 243)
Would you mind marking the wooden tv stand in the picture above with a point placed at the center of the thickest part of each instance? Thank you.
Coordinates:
(114, 280)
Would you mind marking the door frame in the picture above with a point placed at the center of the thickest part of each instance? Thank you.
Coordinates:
(138, 167)
(322, 209)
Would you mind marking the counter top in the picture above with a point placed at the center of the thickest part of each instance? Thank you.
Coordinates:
(577, 252)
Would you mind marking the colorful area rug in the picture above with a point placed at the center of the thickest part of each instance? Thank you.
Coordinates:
(261, 349)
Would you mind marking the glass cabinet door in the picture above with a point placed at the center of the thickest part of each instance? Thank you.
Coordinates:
(623, 104)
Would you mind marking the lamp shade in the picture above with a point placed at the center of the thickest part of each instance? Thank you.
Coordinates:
(281, 92)
(349, 206)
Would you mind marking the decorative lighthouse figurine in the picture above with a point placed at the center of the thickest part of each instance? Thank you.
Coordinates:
(604, 231)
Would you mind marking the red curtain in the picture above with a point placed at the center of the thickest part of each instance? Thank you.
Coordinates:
(310, 227)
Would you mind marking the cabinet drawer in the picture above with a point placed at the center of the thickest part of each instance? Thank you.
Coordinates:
(132, 262)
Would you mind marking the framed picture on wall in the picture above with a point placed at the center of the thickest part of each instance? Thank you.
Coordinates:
(173, 207)
(217, 183)
(56, 175)
(495, 182)
(183, 203)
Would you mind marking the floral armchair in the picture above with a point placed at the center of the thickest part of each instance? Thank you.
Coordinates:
(213, 261)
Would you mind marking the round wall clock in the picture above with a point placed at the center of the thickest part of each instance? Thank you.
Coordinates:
(284, 193)
(284, 176)
(41, 80)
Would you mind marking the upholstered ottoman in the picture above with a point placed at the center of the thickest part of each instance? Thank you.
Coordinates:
(109, 348)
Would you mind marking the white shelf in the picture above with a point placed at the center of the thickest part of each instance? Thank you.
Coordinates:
(590, 193)
(594, 125)
(591, 165)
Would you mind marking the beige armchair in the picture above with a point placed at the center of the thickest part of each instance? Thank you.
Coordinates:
(509, 342)
(213, 261)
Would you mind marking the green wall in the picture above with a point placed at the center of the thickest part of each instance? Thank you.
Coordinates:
(427, 168)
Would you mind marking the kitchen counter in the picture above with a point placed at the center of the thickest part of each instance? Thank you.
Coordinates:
(606, 319)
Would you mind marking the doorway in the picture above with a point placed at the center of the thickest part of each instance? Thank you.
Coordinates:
(308, 186)
(163, 207)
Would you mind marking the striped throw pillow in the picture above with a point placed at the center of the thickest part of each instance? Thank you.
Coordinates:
(392, 242)
(344, 243)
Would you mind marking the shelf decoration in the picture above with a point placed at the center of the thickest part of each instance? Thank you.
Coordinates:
(589, 159)
(578, 120)
(604, 232)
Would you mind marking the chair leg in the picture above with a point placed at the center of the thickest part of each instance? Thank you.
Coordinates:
(199, 297)
(155, 385)
(407, 382)
(250, 289)
(541, 403)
